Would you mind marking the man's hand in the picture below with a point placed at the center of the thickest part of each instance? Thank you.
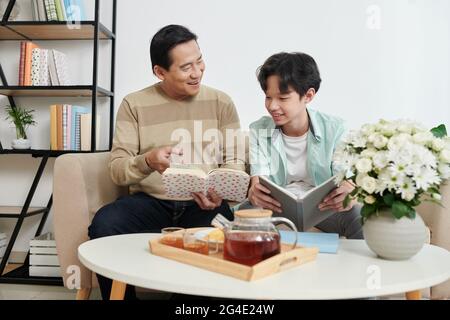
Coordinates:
(159, 158)
(259, 196)
(209, 202)
(335, 199)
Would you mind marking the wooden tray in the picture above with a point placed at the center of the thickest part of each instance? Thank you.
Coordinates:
(288, 258)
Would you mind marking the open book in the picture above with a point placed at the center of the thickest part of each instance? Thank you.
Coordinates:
(301, 209)
(228, 183)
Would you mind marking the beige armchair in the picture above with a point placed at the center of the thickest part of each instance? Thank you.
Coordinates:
(82, 185)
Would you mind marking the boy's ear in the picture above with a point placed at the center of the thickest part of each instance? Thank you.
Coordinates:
(309, 95)
(159, 72)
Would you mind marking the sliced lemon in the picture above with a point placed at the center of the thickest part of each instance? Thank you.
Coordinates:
(216, 235)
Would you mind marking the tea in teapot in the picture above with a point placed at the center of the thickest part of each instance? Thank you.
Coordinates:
(251, 237)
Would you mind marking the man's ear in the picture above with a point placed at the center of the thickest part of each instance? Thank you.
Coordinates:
(309, 95)
(159, 72)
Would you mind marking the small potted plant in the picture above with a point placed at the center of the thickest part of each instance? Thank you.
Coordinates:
(394, 167)
(22, 119)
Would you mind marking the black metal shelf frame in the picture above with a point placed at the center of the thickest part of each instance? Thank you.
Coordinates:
(21, 274)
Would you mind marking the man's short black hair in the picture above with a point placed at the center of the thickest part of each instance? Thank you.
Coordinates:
(164, 40)
(296, 69)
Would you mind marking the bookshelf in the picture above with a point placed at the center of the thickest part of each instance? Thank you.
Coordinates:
(93, 31)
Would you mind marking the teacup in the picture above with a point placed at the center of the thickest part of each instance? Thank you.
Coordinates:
(172, 236)
(203, 245)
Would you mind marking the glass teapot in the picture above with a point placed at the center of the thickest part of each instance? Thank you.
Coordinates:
(252, 236)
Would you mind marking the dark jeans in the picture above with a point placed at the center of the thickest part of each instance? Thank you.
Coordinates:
(140, 213)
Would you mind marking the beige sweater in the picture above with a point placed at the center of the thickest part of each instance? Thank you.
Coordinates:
(150, 119)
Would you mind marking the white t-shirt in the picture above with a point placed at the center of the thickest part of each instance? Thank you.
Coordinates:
(298, 179)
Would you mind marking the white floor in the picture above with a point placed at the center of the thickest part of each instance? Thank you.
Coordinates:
(34, 292)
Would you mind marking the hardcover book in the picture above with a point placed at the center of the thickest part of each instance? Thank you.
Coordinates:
(301, 209)
(229, 184)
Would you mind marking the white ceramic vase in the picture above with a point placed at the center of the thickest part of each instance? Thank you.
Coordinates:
(394, 239)
(21, 144)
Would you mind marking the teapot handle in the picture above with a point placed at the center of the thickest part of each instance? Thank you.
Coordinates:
(290, 224)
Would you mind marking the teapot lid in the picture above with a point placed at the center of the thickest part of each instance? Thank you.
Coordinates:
(253, 213)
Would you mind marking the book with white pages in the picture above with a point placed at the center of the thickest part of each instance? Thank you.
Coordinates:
(61, 66)
(300, 204)
(180, 182)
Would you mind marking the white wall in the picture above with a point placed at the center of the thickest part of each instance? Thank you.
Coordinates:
(399, 70)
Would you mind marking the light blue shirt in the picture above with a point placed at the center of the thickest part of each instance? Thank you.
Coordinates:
(268, 155)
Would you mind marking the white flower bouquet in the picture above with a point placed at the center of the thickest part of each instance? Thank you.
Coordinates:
(394, 165)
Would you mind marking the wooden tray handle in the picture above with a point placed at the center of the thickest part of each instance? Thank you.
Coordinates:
(290, 258)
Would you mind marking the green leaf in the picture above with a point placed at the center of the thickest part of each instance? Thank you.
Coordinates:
(433, 190)
(347, 200)
(439, 131)
(400, 209)
(354, 192)
(367, 210)
(412, 214)
(414, 202)
(389, 199)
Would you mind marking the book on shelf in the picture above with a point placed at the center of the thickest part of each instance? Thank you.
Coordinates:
(58, 10)
(70, 127)
(75, 134)
(29, 47)
(42, 13)
(75, 10)
(42, 67)
(57, 64)
(301, 207)
(22, 62)
(53, 128)
(85, 131)
(60, 60)
(50, 9)
(230, 184)
(35, 10)
(44, 77)
(35, 67)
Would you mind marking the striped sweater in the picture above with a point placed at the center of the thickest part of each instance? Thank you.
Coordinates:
(150, 119)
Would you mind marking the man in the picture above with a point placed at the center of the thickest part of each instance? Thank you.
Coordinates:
(148, 124)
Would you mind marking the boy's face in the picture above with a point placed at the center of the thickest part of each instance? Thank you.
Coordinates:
(183, 78)
(283, 107)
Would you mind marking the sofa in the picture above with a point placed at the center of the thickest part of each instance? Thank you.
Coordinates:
(82, 185)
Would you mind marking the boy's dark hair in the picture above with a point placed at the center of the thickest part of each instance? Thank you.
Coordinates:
(296, 69)
(164, 40)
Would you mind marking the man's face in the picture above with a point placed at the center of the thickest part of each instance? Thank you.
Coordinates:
(283, 107)
(183, 78)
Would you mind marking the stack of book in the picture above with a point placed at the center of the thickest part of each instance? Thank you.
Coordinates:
(42, 67)
(70, 127)
(58, 10)
(44, 260)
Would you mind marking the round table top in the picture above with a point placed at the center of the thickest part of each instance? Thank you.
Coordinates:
(354, 272)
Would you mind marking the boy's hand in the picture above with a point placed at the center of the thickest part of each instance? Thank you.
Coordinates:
(159, 158)
(209, 202)
(259, 196)
(335, 199)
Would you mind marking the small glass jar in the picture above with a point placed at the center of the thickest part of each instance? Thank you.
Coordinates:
(252, 237)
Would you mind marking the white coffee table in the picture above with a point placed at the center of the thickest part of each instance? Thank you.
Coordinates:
(354, 272)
